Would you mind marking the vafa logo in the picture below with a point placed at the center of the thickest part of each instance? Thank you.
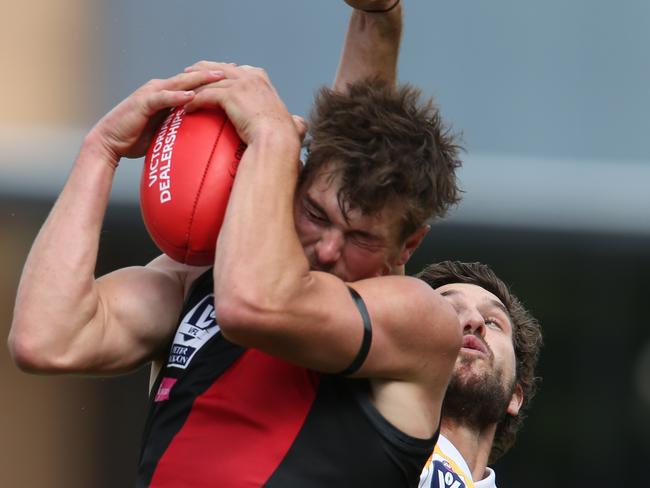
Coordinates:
(196, 328)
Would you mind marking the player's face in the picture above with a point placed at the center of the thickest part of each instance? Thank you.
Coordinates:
(485, 369)
(359, 246)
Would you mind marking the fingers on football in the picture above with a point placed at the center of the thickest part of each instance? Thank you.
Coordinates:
(178, 90)
(192, 80)
(209, 96)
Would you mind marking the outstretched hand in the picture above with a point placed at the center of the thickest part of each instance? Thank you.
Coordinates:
(126, 131)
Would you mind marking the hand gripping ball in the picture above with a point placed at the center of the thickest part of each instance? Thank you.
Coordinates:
(186, 181)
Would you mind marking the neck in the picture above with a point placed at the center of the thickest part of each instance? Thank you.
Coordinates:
(472, 443)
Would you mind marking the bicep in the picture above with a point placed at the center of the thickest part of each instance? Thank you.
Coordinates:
(137, 311)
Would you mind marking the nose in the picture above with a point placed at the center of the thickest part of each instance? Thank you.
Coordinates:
(329, 247)
(473, 323)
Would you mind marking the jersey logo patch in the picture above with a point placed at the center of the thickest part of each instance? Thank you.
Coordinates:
(445, 477)
(196, 328)
(164, 389)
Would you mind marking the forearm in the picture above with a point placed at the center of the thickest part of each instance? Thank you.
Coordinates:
(371, 47)
(259, 259)
(56, 296)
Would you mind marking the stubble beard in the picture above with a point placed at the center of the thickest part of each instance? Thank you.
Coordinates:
(476, 398)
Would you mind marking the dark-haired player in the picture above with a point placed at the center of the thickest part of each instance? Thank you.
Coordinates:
(493, 380)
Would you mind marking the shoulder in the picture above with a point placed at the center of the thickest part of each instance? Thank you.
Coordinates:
(416, 338)
(416, 333)
(410, 309)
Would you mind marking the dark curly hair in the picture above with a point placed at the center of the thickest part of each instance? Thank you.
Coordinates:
(388, 147)
(526, 336)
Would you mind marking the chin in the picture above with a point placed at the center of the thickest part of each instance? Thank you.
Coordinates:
(470, 371)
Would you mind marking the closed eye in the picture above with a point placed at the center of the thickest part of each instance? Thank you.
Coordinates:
(316, 217)
(313, 213)
(365, 241)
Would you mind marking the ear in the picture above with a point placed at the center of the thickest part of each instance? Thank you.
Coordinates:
(411, 244)
(516, 400)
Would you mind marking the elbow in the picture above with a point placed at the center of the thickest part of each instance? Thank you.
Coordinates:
(24, 354)
(33, 356)
(251, 312)
(236, 322)
(242, 318)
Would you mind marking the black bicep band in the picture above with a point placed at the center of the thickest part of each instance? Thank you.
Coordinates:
(367, 334)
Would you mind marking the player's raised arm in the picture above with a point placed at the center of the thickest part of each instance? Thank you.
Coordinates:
(372, 43)
(65, 320)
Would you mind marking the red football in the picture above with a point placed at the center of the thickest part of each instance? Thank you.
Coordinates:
(188, 173)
